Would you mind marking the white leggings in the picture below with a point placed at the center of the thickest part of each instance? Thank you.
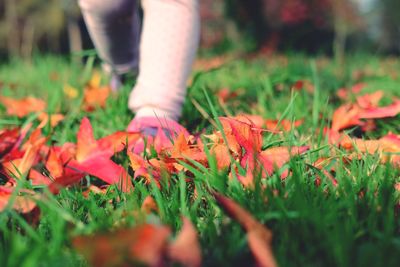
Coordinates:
(168, 45)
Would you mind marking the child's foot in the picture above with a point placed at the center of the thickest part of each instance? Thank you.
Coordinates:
(149, 126)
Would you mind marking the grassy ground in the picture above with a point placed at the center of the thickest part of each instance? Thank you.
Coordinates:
(312, 226)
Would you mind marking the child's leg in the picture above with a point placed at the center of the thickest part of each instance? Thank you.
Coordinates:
(115, 30)
(168, 46)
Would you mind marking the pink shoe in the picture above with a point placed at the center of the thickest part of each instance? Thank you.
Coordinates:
(149, 126)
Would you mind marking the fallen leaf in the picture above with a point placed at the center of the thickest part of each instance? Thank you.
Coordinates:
(95, 95)
(67, 179)
(186, 248)
(149, 205)
(89, 158)
(380, 112)
(54, 119)
(143, 168)
(143, 244)
(343, 93)
(8, 140)
(254, 120)
(258, 236)
(86, 145)
(226, 94)
(95, 80)
(222, 155)
(369, 100)
(247, 180)
(38, 178)
(247, 135)
(322, 164)
(205, 64)
(70, 92)
(281, 155)
(387, 147)
(284, 125)
(181, 149)
(303, 84)
(20, 167)
(21, 203)
(54, 164)
(345, 116)
(22, 107)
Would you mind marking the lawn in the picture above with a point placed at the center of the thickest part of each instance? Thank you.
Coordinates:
(334, 203)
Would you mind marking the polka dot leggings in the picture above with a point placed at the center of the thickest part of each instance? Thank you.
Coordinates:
(163, 50)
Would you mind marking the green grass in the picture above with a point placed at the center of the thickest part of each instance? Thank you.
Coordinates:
(312, 226)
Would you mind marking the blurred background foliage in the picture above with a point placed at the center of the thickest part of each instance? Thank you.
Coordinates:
(313, 26)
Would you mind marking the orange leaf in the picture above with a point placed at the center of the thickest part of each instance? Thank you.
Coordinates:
(285, 125)
(142, 167)
(248, 179)
(54, 119)
(37, 178)
(54, 164)
(254, 120)
(182, 150)
(22, 204)
(321, 164)
(247, 136)
(343, 93)
(281, 155)
(217, 139)
(149, 205)
(21, 166)
(225, 94)
(136, 161)
(145, 244)
(22, 107)
(370, 100)
(117, 141)
(380, 112)
(345, 116)
(186, 248)
(387, 147)
(95, 96)
(222, 155)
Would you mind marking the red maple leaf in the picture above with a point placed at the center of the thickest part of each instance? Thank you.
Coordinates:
(93, 157)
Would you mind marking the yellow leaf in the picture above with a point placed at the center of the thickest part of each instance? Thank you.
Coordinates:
(70, 92)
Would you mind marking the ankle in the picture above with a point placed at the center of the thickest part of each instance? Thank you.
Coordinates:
(148, 111)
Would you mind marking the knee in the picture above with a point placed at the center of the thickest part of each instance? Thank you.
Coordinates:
(107, 8)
